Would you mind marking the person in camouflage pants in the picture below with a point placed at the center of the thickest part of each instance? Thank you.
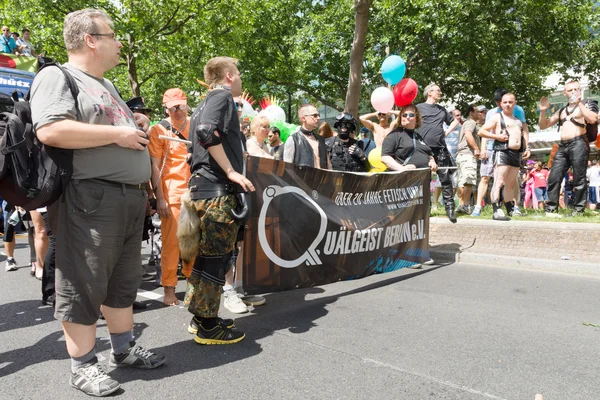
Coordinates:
(208, 227)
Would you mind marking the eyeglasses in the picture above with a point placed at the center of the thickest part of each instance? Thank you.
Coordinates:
(315, 115)
(108, 35)
(182, 107)
(408, 115)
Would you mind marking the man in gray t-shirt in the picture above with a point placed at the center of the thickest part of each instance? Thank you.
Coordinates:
(102, 210)
(432, 132)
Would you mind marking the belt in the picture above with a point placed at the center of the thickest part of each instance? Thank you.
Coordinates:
(139, 186)
(202, 189)
(576, 138)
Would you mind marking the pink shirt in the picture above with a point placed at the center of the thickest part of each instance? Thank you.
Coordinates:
(540, 178)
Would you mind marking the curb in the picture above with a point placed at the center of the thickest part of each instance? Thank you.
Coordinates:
(533, 264)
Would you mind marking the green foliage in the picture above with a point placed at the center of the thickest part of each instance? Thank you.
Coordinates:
(301, 48)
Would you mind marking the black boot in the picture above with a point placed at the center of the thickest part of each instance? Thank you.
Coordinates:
(450, 213)
(498, 213)
(510, 206)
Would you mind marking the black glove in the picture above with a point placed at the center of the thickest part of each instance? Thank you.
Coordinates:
(358, 153)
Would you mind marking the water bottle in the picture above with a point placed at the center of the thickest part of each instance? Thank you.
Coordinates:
(14, 218)
(574, 97)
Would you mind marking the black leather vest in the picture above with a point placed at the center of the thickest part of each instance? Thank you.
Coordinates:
(303, 154)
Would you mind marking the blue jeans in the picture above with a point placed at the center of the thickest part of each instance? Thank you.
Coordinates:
(541, 194)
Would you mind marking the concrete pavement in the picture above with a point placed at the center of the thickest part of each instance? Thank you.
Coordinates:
(452, 331)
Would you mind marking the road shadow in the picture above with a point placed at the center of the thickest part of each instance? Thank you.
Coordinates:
(287, 310)
(50, 347)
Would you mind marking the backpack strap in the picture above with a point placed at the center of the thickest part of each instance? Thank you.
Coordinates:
(165, 124)
(69, 78)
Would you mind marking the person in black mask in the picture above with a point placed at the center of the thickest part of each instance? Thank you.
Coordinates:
(345, 152)
(403, 148)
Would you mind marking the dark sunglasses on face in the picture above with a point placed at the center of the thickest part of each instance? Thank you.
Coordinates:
(408, 115)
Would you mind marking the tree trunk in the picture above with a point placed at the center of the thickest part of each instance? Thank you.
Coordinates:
(131, 67)
(357, 56)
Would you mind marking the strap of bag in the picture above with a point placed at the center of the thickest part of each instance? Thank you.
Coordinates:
(414, 138)
(165, 124)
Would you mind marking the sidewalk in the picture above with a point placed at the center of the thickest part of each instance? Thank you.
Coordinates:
(550, 246)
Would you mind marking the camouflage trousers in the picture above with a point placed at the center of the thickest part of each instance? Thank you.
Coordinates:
(218, 233)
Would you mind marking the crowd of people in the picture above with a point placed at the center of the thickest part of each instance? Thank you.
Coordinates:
(193, 166)
(18, 44)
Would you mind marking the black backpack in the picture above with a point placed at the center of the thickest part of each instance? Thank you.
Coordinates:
(591, 130)
(32, 174)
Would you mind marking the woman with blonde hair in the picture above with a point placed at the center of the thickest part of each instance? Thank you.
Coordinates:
(259, 130)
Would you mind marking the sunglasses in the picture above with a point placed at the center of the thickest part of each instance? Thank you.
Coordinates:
(182, 107)
(315, 115)
(408, 115)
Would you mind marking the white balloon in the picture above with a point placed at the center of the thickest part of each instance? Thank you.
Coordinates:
(248, 111)
(275, 113)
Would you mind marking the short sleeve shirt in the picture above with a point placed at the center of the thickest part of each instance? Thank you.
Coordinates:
(463, 145)
(7, 45)
(218, 112)
(399, 144)
(432, 130)
(98, 104)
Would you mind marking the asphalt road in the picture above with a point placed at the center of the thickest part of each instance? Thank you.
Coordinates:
(444, 332)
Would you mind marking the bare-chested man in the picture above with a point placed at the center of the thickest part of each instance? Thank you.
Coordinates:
(507, 129)
(573, 150)
(382, 128)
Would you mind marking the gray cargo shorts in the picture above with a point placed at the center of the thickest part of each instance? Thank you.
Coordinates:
(98, 248)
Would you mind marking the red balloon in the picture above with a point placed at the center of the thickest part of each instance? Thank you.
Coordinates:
(405, 92)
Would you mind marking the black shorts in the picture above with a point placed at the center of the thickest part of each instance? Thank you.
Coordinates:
(509, 157)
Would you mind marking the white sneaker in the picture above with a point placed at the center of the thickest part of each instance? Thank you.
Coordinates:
(553, 215)
(429, 262)
(499, 215)
(516, 212)
(233, 302)
(11, 265)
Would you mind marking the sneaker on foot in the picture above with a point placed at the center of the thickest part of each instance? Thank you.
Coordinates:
(93, 380)
(136, 357)
(227, 323)
(553, 215)
(575, 214)
(233, 303)
(415, 266)
(462, 210)
(218, 335)
(429, 262)
(476, 211)
(516, 212)
(11, 265)
(253, 300)
(500, 216)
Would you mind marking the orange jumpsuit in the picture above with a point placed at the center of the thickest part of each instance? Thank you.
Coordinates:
(174, 180)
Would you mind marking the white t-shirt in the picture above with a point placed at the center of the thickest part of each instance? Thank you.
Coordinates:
(593, 175)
